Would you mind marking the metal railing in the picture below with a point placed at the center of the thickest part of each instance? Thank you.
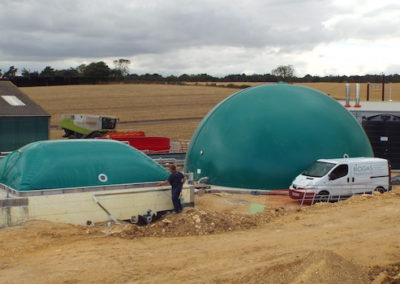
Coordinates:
(169, 161)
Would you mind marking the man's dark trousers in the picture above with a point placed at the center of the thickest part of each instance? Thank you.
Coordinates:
(175, 199)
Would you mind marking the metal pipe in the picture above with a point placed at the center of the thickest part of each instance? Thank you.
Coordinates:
(357, 95)
(105, 210)
(347, 89)
(202, 179)
(367, 92)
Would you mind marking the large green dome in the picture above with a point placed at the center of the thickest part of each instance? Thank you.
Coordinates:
(263, 137)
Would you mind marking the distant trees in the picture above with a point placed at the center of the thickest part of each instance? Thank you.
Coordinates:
(68, 73)
(81, 69)
(286, 72)
(48, 72)
(11, 73)
(122, 65)
(97, 71)
(25, 73)
(100, 72)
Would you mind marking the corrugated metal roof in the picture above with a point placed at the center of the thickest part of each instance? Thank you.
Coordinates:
(10, 93)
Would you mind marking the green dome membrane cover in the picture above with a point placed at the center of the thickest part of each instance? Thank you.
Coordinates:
(263, 137)
(77, 163)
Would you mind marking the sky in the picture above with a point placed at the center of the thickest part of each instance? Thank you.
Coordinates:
(219, 37)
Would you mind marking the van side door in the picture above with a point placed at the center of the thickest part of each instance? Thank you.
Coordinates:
(339, 182)
(369, 176)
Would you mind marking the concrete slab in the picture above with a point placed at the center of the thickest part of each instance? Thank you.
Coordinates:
(385, 106)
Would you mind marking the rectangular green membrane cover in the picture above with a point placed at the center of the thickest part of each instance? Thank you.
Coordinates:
(77, 163)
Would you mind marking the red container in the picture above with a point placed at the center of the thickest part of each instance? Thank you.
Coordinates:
(151, 144)
(142, 143)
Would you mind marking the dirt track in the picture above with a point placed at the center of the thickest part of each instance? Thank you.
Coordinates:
(326, 243)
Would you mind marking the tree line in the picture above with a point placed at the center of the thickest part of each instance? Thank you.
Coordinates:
(100, 72)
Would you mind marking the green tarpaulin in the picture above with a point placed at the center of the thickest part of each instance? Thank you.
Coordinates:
(77, 163)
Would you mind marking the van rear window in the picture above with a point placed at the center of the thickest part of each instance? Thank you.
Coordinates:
(318, 169)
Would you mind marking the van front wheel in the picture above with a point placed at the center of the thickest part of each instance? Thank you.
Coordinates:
(323, 196)
(380, 189)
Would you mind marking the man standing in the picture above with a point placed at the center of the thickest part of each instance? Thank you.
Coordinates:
(176, 180)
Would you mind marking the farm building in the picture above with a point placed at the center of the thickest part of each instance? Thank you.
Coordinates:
(22, 121)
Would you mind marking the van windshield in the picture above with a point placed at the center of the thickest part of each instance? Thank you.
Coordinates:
(318, 169)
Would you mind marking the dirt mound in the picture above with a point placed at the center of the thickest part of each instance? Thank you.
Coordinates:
(363, 232)
(315, 267)
(197, 222)
(395, 193)
(35, 235)
(385, 274)
(241, 203)
(356, 199)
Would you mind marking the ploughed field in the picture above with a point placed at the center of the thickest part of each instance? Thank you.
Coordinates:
(132, 103)
(164, 110)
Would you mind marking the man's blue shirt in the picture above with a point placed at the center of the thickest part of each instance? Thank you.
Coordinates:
(175, 180)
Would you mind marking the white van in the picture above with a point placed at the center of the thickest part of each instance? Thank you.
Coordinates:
(335, 179)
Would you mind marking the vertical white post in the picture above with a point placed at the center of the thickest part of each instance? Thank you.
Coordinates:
(390, 92)
(313, 199)
(357, 95)
(347, 89)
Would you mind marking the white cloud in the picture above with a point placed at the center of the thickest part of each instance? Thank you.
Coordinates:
(354, 57)
(216, 37)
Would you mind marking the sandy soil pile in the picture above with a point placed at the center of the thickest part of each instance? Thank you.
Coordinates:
(315, 267)
(386, 274)
(240, 203)
(374, 195)
(355, 241)
(197, 222)
(36, 235)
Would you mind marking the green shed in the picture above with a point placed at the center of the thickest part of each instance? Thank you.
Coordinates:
(22, 121)
(263, 137)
